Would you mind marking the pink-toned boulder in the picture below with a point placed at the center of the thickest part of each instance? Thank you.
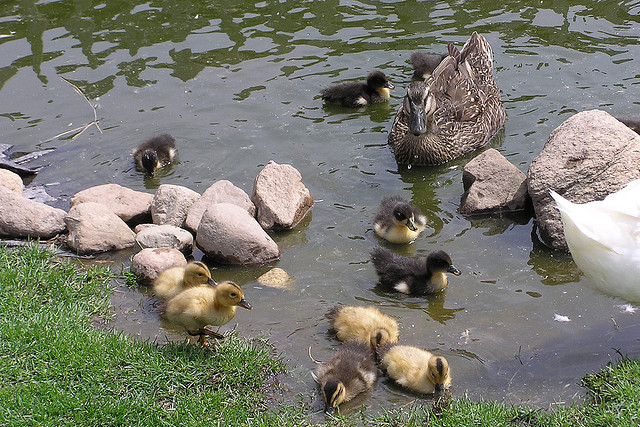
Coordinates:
(280, 196)
(171, 204)
(94, 228)
(11, 180)
(20, 217)
(150, 262)
(221, 191)
(166, 236)
(131, 206)
(228, 233)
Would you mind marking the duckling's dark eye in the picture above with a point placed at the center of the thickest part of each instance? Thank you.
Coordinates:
(233, 294)
(399, 216)
(200, 274)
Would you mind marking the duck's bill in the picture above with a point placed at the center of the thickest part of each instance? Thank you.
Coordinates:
(411, 226)
(212, 282)
(245, 304)
(389, 85)
(454, 270)
(439, 390)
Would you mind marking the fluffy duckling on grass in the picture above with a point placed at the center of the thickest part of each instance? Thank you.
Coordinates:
(365, 324)
(203, 305)
(174, 280)
(398, 221)
(415, 368)
(355, 94)
(413, 275)
(155, 153)
(349, 372)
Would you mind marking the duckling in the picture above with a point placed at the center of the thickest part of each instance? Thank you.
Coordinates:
(155, 153)
(349, 372)
(415, 368)
(604, 240)
(398, 221)
(456, 111)
(424, 63)
(412, 275)
(354, 94)
(174, 280)
(365, 324)
(203, 305)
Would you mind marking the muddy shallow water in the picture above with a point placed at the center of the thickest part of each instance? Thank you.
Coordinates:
(236, 84)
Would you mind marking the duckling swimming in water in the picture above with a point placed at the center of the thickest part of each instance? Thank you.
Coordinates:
(415, 368)
(412, 275)
(604, 239)
(365, 324)
(398, 221)
(457, 110)
(203, 305)
(349, 372)
(174, 280)
(424, 63)
(155, 153)
(354, 94)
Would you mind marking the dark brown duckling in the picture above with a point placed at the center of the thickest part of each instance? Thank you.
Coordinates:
(356, 94)
(155, 153)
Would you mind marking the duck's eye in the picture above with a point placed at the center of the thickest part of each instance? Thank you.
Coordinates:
(233, 294)
(399, 216)
(200, 274)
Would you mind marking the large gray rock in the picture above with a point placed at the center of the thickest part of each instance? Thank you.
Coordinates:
(171, 204)
(492, 184)
(21, 217)
(150, 262)
(130, 205)
(229, 234)
(11, 180)
(94, 228)
(221, 191)
(166, 236)
(280, 196)
(587, 157)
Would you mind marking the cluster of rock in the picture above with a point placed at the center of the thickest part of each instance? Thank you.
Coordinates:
(589, 156)
(228, 225)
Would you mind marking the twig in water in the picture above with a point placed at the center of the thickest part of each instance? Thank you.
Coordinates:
(80, 128)
(614, 323)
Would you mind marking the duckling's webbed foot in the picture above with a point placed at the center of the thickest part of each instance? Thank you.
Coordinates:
(209, 332)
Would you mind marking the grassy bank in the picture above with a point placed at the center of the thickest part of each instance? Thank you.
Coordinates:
(57, 369)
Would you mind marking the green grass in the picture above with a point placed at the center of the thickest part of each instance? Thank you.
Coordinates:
(57, 369)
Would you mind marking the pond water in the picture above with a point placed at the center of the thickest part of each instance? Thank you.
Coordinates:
(236, 83)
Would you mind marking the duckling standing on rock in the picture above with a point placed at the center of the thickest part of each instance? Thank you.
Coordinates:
(413, 275)
(365, 324)
(349, 372)
(415, 368)
(174, 280)
(398, 221)
(424, 63)
(354, 94)
(203, 305)
(155, 153)
(457, 110)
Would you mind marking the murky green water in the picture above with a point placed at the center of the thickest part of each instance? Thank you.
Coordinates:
(236, 84)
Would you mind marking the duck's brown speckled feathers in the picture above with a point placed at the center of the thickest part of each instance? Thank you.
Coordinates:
(456, 111)
(355, 94)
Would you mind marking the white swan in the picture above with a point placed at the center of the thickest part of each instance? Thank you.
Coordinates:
(604, 240)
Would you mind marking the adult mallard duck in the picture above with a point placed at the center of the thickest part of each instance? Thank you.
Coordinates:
(355, 94)
(454, 112)
(604, 240)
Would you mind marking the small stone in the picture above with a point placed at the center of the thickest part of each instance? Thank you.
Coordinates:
(275, 278)
(166, 236)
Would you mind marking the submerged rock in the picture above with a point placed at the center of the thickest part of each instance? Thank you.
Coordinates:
(21, 217)
(222, 191)
(171, 204)
(275, 278)
(150, 262)
(280, 196)
(587, 157)
(93, 228)
(131, 206)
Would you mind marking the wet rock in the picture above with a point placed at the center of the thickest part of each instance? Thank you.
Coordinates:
(492, 184)
(150, 262)
(275, 278)
(220, 192)
(171, 204)
(131, 206)
(11, 180)
(94, 228)
(588, 156)
(229, 234)
(21, 217)
(166, 236)
(280, 196)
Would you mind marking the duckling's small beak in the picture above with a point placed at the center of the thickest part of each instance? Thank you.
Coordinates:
(454, 270)
(410, 225)
(439, 390)
(245, 304)
(389, 85)
(329, 410)
(212, 282)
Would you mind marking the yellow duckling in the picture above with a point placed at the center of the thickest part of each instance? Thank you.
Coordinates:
(155, 153)
(348, 373)
(415, 368)
(203, 305)
(174, 280)
(398, 221)
(355, 94)
(365, 324)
